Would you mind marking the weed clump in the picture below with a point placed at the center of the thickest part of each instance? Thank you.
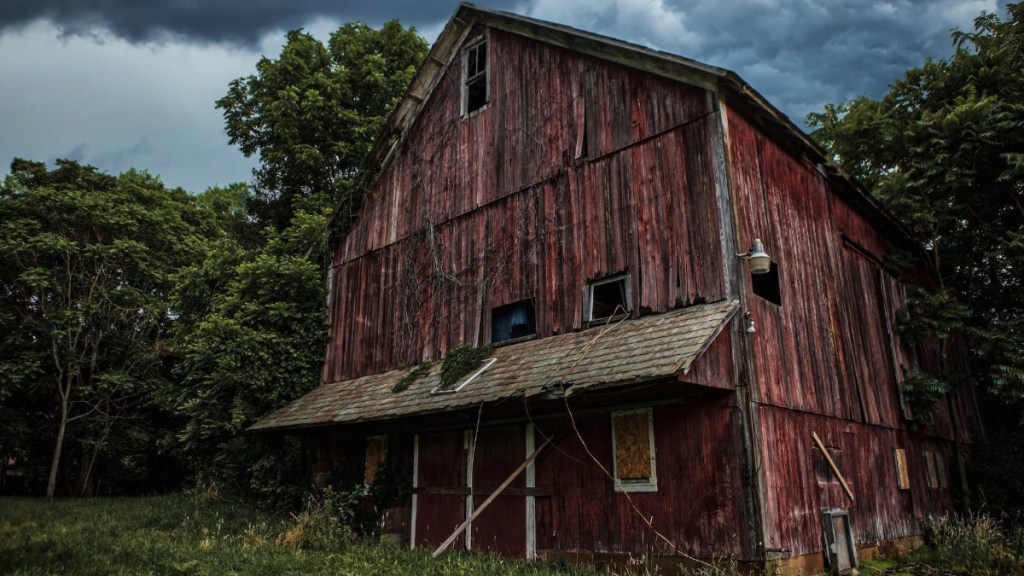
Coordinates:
(973, 543)
(459, 362)
(411, 377)
(324, 525)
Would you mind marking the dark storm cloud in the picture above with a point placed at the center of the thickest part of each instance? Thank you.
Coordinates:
(229, 21)
(801, 54)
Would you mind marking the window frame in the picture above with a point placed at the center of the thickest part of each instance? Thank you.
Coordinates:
(650, 484)
(627, 292)
(530, 308)
(471, 47)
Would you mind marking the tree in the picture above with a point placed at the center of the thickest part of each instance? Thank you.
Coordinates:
(944, 151)
(89, 262)
(250, 337)
(312, 114)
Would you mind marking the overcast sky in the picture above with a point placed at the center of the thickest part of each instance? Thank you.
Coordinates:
(128, 83)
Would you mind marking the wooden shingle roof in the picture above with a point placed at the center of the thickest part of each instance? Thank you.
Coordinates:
(649, 348)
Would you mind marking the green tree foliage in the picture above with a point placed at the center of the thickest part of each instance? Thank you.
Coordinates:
(89, 259)
(313, 113)
(250, 336)
(227, 205)
(944, 150)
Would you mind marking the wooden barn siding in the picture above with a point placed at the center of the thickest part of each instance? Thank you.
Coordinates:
(699, 502)
(715, 366)
(442, 463)
(825, 350)
(501, 528)
(823, 359)
(786, 205)
(527, 133)
(881, 511)
(480, 212)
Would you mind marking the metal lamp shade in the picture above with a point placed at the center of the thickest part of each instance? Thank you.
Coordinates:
(760, 261)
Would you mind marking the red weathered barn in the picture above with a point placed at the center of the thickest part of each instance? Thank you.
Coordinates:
(579, 204)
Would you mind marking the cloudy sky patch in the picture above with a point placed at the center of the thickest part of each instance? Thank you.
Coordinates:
(121, 83)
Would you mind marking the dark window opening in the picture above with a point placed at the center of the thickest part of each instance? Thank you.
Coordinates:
(475, 89)
(609, 298)
(768, 286)
(376, 452)
(513, 321)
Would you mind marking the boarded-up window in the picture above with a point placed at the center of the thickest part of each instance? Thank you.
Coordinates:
(940, 471)
(633, 445)
(376, 452)
(931, 471)
(902, 476)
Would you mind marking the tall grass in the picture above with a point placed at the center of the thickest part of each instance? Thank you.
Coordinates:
(974, 544)
(188, 535)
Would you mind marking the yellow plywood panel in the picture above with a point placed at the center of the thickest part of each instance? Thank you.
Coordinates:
(632, 445)
(902, 475)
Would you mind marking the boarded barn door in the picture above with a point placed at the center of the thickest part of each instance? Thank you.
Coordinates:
(440, 488)
(502, 527)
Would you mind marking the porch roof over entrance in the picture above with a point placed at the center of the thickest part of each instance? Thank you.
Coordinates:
(631, 351)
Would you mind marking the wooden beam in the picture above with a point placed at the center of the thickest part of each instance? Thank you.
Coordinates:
(832, 464)
(491, 498)
(464, 491)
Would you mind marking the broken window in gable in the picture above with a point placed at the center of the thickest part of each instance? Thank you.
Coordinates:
(475, 89)
(513, 321)
(633, 451)
(609, 298)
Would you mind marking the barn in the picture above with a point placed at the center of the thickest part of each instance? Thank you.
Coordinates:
(604, 301)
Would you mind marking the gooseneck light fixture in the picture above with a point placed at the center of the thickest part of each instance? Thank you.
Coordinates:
(760, 261)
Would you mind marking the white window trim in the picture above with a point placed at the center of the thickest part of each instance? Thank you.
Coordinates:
(415, 484)
(484, 38)
(487, 364)
(531, 507)
(651, 484)
(588, 296)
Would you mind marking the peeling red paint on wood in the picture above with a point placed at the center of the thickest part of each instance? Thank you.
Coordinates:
(830, 358)
(474, 213)
(698, 505)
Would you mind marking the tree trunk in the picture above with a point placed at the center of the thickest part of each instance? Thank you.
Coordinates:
(51, 485)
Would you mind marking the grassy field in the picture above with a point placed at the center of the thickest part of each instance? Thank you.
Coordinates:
(181, 535)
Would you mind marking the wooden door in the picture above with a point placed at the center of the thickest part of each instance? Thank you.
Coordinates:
(502, 527)
(439, 505)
